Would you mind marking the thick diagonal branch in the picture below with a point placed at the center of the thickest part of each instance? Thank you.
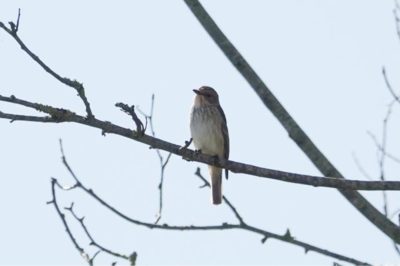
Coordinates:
(294, 130)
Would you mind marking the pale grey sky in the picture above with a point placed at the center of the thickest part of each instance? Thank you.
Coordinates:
(322, 59)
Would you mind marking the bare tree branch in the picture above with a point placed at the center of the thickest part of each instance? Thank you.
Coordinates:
(293, 129)
(59, 115)
(287, 237)
(71, 83)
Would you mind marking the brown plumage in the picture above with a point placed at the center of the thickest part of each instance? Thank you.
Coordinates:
(210, 134)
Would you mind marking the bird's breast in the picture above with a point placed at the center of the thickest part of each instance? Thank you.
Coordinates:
(206, 130)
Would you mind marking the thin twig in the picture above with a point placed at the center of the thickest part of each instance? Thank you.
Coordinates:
(14, 28)
(389, 86)
(71, 83)
(163, 163)
(93, 242)
(382, 153)
(361, 168)
(187, 143)
(396, 11)
(383, 156)
(230, 205)
(225, 226)
(161, 185)
(53, 201)
(64, 160)
(380, 149)
(131, 111)
(15, 117)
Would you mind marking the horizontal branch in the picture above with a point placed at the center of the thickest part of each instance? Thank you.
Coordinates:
(59, 115)
(30, 118)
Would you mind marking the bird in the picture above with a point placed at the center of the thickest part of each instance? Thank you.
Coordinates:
(209, 131)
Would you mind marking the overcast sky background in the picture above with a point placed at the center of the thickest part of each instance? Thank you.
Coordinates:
(323, 61)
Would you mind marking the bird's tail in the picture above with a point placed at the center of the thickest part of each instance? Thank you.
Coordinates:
(216, 184)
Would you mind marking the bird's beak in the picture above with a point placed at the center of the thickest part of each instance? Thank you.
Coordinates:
(197, 92)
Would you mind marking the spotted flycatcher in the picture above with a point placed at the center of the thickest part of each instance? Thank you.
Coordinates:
(210, 134)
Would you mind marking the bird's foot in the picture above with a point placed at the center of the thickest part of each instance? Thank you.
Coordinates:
(216, 159)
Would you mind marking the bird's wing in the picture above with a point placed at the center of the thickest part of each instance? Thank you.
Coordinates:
(225, 134)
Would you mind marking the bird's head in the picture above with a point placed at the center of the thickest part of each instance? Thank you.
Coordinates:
(206, 96)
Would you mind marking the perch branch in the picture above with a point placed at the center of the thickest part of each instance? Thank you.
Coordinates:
(59, 115)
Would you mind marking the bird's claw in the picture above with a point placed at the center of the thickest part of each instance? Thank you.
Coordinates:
(216, 159)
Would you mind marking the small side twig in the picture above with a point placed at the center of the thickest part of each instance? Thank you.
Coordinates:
(163, 163)
(15, 117)
(381, 146)
(161, 184)
(14, 27)
(389, 86)
(53, 201)
(187, 144)
(184, 147)
(360, 167)
(130, 110)
(381, 162)
(64, 160)
(93, 242)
